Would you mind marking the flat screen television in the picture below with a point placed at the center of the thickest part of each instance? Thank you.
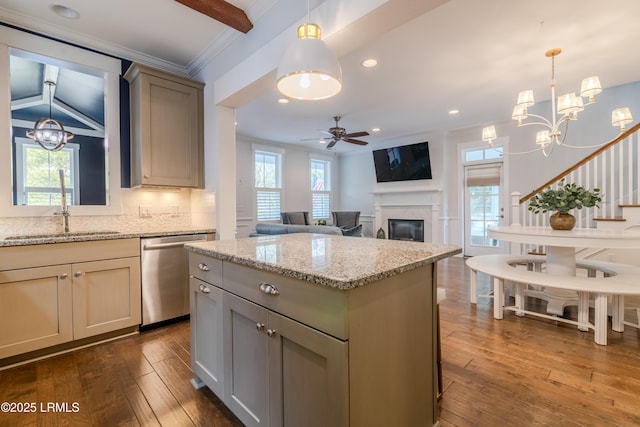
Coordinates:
(403, 163)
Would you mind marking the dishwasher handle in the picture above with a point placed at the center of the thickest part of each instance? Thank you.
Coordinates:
(169, 245)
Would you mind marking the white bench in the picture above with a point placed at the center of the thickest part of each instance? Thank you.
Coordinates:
(619, 280)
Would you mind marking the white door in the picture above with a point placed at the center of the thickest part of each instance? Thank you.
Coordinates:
(483, 207)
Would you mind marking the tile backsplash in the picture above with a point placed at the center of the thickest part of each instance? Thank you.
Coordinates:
(142, 209)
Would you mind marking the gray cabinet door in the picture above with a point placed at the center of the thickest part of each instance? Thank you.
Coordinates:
(246, 360)
(206, 334)
(309, 377)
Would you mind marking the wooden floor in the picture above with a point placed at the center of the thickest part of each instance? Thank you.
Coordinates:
(512, 372)
(530, 371)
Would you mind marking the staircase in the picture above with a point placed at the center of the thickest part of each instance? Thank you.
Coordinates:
(614, 169)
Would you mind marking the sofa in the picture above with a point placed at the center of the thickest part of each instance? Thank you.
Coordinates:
(263, 229)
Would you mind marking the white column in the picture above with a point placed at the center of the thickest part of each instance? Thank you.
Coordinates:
(435, 223)
(223, 159)
(515, 208)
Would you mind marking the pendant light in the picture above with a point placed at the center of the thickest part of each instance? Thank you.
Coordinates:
(309, 70)
(47, 132)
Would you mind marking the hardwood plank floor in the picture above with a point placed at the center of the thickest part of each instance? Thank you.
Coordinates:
(527, 371)
(511, 372)
(141, 380)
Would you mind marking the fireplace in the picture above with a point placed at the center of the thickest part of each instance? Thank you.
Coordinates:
(406, 229)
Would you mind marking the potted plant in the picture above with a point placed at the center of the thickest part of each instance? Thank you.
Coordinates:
(561, 199)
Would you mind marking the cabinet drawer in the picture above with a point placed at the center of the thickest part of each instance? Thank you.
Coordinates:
(320, 307)
(205, 268)
(27, 256)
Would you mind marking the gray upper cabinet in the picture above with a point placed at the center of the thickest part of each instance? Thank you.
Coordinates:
(167, 130)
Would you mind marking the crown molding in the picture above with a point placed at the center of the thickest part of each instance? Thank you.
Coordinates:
(46, 29)
(255, 12)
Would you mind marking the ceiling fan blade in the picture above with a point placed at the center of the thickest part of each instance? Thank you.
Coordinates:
(328, 133)
(356, 134)
(316, 139)
(332, 143)
(355, 141)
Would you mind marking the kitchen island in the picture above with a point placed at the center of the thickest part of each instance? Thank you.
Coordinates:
(308, 329)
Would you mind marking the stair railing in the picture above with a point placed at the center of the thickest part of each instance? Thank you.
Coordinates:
(613, 168)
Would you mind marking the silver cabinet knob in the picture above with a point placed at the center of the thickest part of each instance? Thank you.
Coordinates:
(271, 332)
(203, 267)
(269, 289)
(260, 326)
(63, 276)
(204, 289)
(77, 274)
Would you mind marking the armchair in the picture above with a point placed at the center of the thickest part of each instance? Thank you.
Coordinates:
(346, 219)
(299, 218)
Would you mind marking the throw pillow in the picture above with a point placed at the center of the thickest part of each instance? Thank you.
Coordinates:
(353, 231)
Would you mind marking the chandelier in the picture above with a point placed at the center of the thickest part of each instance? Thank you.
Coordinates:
(568, 106)
(47, 132)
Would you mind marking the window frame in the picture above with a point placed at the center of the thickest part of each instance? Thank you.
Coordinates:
(21, 144)
(88, 61)
(327, 192)
(277, 189)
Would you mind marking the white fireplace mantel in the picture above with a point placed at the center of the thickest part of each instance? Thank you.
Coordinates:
(409, 202)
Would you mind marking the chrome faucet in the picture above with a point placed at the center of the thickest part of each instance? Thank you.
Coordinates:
(65, 209)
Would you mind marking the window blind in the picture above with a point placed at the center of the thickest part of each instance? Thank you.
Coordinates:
(321, 205)
(268, 205)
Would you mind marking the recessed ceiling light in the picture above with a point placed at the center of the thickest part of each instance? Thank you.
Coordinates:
(453, 112)
(64, 11)
(375, 130)
(368, 63)
(283, 101)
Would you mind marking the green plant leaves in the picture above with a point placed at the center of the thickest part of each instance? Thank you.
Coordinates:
(563, 198)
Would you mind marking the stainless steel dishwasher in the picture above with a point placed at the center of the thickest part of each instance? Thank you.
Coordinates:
(165, 277)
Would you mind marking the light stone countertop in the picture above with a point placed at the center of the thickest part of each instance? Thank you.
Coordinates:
(8, 236)
(337, 261)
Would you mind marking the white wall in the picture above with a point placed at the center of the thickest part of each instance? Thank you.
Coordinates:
(296, 180)
(358, 178)
(524, 172)
(528, 171)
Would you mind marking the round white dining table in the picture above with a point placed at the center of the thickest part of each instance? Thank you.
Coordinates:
(560, 245)
(560, 248)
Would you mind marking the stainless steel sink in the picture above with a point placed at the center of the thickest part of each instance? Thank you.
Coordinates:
(57, 235)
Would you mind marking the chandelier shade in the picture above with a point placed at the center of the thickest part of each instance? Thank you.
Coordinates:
(525, 99)
(621, 117)
(489, 134)
(309, 70)
(590, 88)
(563, 109)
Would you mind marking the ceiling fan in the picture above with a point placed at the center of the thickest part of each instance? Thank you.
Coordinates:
(340, 134)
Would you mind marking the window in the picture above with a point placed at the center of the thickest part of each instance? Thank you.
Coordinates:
(37, 174)
(483, 154)
(268, 184)
(70, 59)
(320, 189)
